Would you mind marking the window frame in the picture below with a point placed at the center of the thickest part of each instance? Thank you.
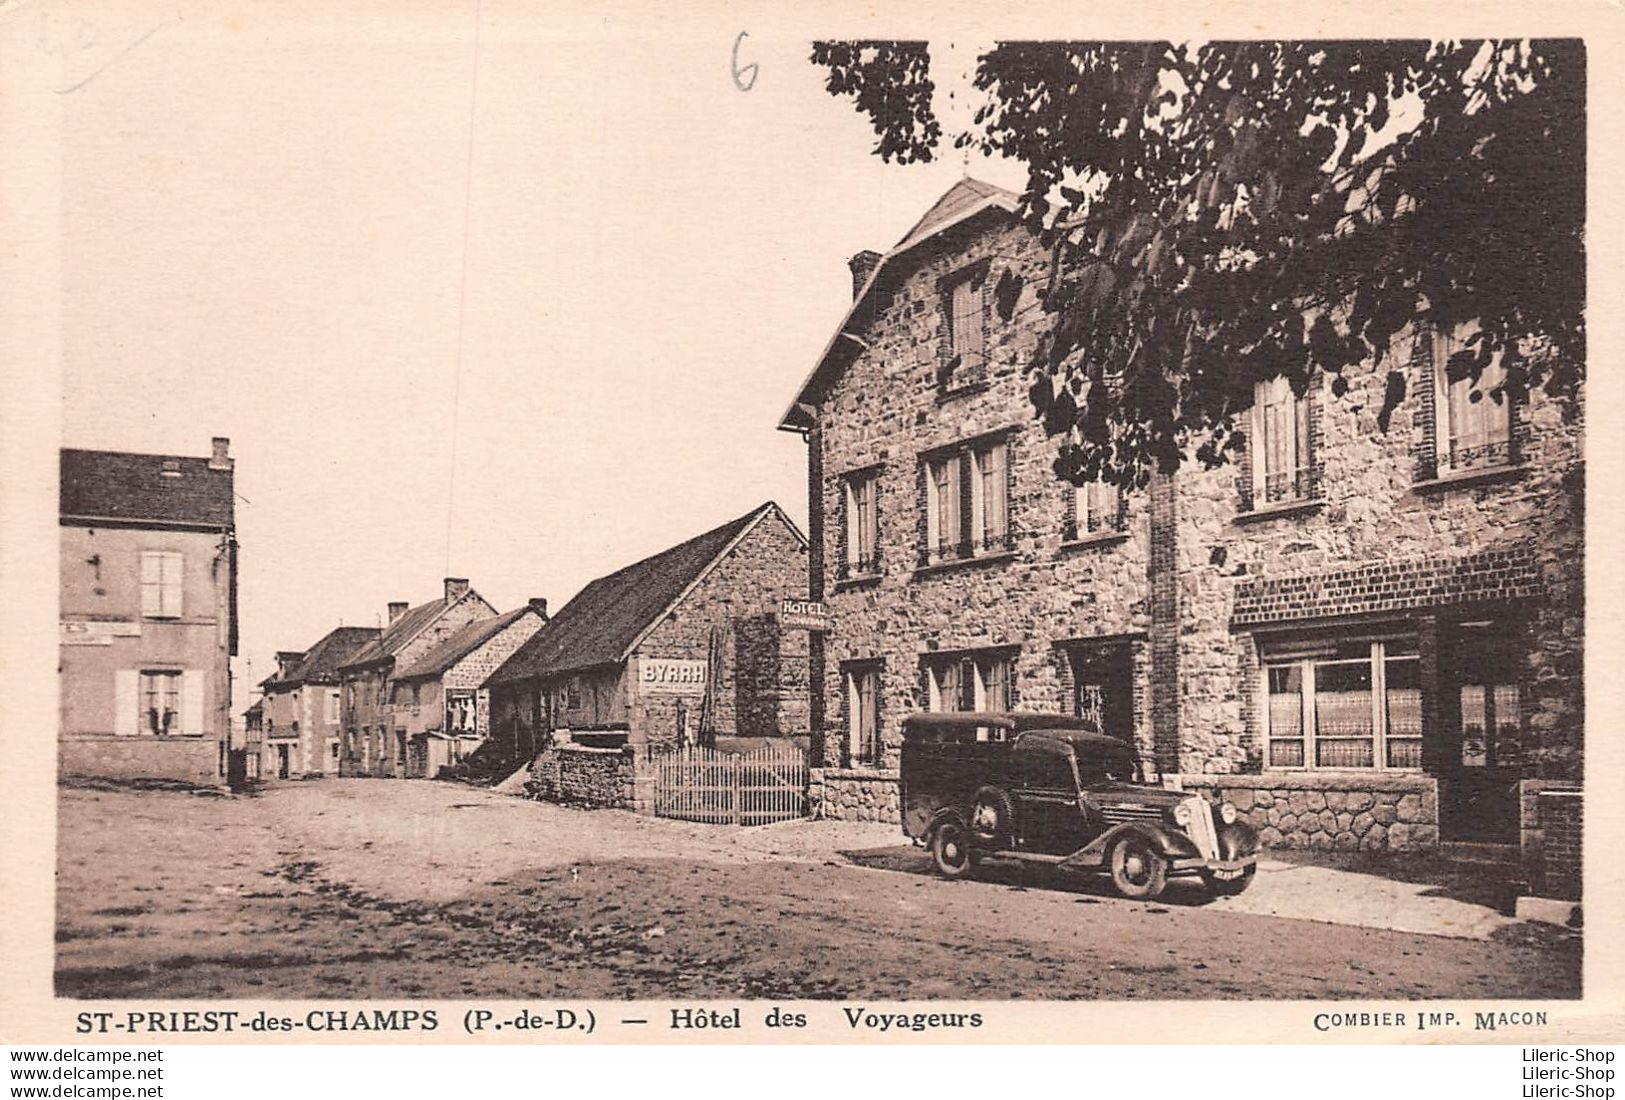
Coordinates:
(973, 679)
(863, 749)
(964, 368)
(1441, 347)
(1076, 527)
(1306, 658)
(1270, 394)
(163, 596)
(948, 472)
(860, 491)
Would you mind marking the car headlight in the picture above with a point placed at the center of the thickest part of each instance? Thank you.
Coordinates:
(1182, 815)
(1227, 813)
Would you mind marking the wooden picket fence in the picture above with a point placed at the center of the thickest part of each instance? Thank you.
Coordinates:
(724, 788)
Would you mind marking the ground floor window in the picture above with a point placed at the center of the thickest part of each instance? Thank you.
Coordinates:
(460, 712)
(980, 680)
(1343, 704)
(161, 701)
(863, 742)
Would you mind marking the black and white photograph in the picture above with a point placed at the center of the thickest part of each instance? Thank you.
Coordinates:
(560, 508)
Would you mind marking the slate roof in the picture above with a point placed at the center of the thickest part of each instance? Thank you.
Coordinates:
(119, 485)
(441, 656)
(321, 662)
(397, 634)
(964, 199)
(605, 619)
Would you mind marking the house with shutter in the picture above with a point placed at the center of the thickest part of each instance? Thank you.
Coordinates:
(148, 614)
(300, 717)
(376, 709)
(1364, 638)
(449, 716)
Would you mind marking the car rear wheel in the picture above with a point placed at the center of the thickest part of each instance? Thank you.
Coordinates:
(1228, 887)
(1138, 869)
(950, 849)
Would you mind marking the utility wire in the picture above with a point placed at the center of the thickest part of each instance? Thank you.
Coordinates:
(462, 289)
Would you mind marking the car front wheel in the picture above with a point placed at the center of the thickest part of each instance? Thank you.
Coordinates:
(1138, 870)
(950, 849)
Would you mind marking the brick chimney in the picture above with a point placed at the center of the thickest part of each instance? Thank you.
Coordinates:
(538, 604)
(397, 608)
(456, 589)
(862, 265)
(219, 460)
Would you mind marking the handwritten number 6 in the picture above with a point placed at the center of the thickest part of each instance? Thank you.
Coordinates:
(744, 79)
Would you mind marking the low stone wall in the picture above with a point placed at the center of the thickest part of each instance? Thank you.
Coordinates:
(1376, 813)
(181, 759)
(575, 775)
(852, 794)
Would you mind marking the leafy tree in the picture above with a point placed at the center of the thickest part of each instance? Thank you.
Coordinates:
(1225, 212)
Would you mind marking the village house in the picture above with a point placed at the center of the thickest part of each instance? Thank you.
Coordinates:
(373, 711)
(301, 719)
(1364, 639)
(148, 614)
(450, 714)
(682, 647)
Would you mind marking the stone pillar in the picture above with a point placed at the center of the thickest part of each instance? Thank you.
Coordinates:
(815, 591)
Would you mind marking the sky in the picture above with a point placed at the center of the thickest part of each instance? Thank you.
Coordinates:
(263, 233)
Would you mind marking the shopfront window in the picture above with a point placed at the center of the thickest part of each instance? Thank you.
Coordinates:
(1353, 704)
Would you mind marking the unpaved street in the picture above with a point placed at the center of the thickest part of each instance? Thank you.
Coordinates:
(356, 888)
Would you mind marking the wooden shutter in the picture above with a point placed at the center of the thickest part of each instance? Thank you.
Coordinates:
(995, 505)
(192, 702)
(173, 586)
(126, 702)
(152, 584)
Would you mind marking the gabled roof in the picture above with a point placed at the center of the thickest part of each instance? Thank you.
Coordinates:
(397, 634)
(321, 662)
(959, 204)
(607, 619)
(166, 489)
(447, 652)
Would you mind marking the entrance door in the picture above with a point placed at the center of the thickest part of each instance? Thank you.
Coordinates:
(1103, 686)
(1483, 716)
(282, 759)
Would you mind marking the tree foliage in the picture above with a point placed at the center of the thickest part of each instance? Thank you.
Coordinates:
(1226, 212)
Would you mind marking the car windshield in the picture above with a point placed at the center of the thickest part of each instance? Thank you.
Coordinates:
(1111, 766)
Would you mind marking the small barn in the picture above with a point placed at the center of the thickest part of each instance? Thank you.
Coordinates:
(683, 647)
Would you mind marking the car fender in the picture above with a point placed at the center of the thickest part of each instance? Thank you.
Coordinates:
(1167, 842)
(945, 814)
(1238, 840)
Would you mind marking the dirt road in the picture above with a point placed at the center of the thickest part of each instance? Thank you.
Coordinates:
(416, 889)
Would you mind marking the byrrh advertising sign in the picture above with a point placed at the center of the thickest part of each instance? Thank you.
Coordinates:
(671, 676)
(804, 614)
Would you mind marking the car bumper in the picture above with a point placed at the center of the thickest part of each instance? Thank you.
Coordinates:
(1223, 869)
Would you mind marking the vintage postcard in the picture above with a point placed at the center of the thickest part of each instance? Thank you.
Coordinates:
(607, 524)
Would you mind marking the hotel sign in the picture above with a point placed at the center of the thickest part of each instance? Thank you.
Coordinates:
(96, 632)
(804, 615)
(671, 676)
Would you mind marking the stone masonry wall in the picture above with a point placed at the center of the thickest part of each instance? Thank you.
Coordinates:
(883, 414)
(1345, 813)
(575, 775)
(851, 794)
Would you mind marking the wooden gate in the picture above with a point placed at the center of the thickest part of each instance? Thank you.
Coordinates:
(725, 788)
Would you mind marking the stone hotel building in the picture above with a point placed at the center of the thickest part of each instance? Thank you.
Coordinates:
(1365, 639)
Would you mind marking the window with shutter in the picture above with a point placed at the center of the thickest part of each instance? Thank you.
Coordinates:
(1096, 509)
(1280, 443)
(161, 584)
(1474, 419)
